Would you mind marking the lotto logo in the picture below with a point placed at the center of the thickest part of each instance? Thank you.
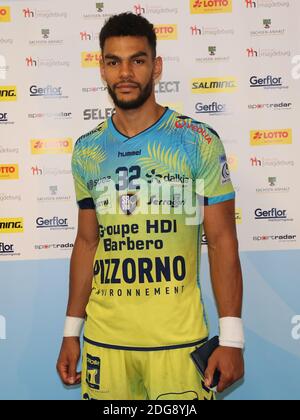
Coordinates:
(52, 146)
(90, 59)
(166, 32)
(4, 14)
(270, 137)
(210, 6)
(9, 172)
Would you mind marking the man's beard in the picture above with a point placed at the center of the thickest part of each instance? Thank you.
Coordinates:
(135, 103)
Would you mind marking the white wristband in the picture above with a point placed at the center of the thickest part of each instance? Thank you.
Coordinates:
(73, 326)
(231, 333)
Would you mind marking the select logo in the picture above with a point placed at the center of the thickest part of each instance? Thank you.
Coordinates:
(210, 6)
(52, 146)
(8, 93)
(5, 14)
(90, 59)
(12, 225)
(270, 137)
(8, 172)
(214, 85)
(166, 32)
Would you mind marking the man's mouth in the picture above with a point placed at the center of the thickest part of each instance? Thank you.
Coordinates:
(126, 86)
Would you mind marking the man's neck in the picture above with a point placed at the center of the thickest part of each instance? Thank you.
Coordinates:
(132, 122)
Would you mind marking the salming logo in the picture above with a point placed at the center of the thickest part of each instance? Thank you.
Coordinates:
(11, 225)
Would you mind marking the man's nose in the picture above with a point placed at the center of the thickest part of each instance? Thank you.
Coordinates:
(125, 69)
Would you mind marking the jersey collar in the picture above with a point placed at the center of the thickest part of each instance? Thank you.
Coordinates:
(116, 133)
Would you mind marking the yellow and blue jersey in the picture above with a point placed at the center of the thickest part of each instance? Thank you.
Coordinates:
(146, 290)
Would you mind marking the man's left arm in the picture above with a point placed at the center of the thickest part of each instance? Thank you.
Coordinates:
(226, 276)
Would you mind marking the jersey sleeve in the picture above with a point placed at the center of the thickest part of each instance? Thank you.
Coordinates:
(212, 168)
(83, 195)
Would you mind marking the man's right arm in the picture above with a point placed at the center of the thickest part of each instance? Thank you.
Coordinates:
(81, 275)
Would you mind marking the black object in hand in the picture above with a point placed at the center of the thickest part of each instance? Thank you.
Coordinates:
(201, 355)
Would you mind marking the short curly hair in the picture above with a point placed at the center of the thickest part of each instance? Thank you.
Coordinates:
(128, 24)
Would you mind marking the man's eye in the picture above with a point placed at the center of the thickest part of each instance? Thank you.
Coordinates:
(139, 61)
(112, 63)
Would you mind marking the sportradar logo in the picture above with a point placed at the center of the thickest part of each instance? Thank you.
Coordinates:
(270, 137)
(210, 6)
(15, 225)
(5, 14)
(8, 93)
(9, 171)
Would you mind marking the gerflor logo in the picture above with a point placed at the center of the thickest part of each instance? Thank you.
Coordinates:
(47, 92)
(266, 82)
(6, 249)
(52, 224)
(273, 215)
(212, 108)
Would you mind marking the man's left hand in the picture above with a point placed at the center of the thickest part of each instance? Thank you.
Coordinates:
(230, 362)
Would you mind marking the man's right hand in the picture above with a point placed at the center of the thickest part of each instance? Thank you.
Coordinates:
(68, 360)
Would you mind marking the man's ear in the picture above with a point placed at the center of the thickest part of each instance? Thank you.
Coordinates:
(158, 68)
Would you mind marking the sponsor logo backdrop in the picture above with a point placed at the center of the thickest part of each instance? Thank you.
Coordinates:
(234, 64)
